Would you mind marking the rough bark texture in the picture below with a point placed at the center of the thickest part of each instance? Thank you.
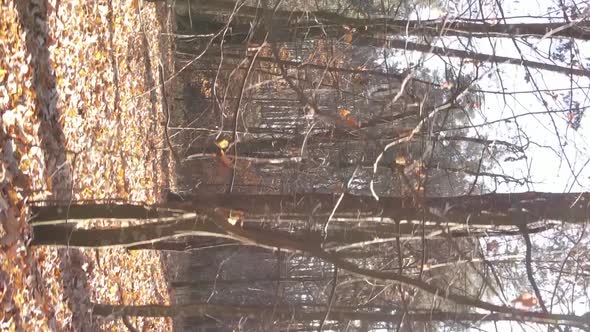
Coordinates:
(261, 313)
(491, 209)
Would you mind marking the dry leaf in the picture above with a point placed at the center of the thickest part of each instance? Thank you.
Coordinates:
(224, 160)
(344, 113)
(284, 54)
(351, 121)
(236, 216)
(222, 144)
(347, 38)
(525, 300)
(447, 85)
(11, 227)
(347, 118)
(400, 160)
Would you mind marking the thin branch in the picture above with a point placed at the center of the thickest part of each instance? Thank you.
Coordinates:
(331, 300)
(529, 268)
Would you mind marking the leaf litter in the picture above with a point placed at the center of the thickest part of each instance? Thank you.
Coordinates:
(80, 119)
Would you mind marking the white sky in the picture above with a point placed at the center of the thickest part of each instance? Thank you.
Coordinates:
(547, 165)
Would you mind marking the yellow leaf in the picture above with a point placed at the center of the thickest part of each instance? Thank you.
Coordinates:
(284, 54)
(222, 144)
(400, 160)
(25, 163)
(98, 56)
(348, 38)
(344, 113)
(236, 216)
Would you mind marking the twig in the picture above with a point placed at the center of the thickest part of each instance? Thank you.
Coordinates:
(528, 265)
(338, 202)
(332, 293)
(128, 324)
(166, 113)
(237, 113)
(419, 127)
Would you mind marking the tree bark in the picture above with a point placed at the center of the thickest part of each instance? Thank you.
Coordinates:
(67, 235)
(208, 284)
(491, 209)
(515, 209)
(293, 19)
(92, 211)
(306, 314)
(155, 236)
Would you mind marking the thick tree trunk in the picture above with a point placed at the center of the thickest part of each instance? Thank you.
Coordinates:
(156, 235)
(93, 211)
(513, 209)
(492, 209)
(67, 235)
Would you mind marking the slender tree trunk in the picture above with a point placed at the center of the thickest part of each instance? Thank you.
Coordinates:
(297, 19)
(464, 54)
(260, 313)
(188, 244)
(208, 284)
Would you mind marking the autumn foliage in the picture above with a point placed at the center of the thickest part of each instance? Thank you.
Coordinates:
(77, 122)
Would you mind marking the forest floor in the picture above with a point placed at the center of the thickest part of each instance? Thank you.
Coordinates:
(82, 119)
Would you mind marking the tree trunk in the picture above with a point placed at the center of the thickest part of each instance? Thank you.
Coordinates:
(293, 19)
(492, 209)
(157, 235)
(67, 235)
(260, 313)
(67, 211)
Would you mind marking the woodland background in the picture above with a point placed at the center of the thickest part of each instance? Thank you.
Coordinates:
(294, 165)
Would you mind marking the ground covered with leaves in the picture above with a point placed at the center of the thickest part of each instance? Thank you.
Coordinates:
(81, 119)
